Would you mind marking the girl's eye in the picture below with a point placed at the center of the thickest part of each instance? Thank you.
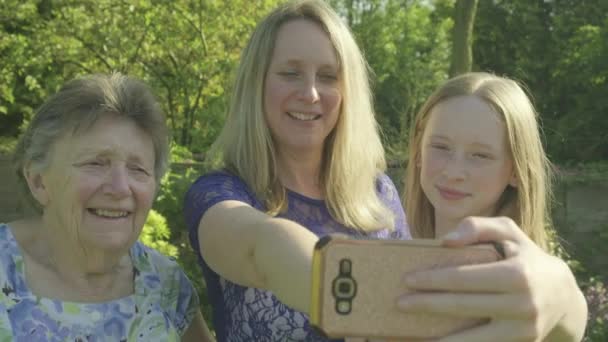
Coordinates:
(289, 74)
(439, 147)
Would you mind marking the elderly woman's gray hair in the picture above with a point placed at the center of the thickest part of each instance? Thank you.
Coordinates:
(77, 106)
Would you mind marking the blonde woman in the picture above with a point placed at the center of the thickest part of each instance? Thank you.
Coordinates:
(301, 158)
(476, 154)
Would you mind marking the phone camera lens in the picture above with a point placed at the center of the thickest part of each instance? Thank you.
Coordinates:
(344, 287)
(343, 307)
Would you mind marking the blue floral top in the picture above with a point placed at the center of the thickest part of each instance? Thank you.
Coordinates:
(162, 307)
(250, 314)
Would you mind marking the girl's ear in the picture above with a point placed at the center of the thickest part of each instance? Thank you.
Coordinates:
(36, 184)
(513, 181)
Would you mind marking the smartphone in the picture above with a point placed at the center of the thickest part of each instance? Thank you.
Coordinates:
(356, 283)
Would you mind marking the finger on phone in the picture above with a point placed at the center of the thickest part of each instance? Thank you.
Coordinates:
(466, 305)
(473, 230)
(506, 330)
(494, 277)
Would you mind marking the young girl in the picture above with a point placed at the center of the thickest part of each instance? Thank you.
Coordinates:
(476, 154)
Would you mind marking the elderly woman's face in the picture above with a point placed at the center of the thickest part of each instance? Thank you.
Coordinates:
(100, 184)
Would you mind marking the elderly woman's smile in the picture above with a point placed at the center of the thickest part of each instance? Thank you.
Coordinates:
(105, 213)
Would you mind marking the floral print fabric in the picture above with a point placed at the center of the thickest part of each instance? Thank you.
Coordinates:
(162, 307)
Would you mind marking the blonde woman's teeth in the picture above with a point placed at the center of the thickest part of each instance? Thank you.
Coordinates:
(303, 116)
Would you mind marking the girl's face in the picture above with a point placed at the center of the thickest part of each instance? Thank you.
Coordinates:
(302, 93)
(465, 164)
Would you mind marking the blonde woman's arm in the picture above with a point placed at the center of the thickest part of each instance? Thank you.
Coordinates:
(251, 248)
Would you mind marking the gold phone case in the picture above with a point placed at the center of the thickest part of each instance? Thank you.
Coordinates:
(356, 284)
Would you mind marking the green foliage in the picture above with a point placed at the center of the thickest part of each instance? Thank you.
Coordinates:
(407, 45)
(170, 199)
(156, 234)
(184, 49)
(597, 299)
(187, 51)
(559, 49)
(7, 145)
(169, 203)
(591, 172)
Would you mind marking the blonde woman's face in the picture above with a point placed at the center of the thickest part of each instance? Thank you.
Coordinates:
(302, 93)
(100, 184)
(465, 164)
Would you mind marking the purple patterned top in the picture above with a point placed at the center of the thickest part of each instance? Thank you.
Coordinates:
(250, 314)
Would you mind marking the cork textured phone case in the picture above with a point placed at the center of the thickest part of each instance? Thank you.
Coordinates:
(356, 284)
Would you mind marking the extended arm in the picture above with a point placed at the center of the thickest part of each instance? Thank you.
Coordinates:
(251, 248)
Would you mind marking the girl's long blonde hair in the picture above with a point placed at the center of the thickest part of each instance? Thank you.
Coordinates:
(353, 155)
(528, 204)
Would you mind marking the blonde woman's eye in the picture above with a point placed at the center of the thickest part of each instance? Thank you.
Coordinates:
(482, 156)
(328, 77)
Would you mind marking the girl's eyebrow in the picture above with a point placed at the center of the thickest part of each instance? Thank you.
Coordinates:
(474, 144)
(439, 136)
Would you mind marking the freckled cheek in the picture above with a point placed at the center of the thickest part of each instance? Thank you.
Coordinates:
(486, 178)
(432, 164)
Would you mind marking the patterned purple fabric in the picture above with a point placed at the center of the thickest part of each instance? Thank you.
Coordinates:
(250, 314)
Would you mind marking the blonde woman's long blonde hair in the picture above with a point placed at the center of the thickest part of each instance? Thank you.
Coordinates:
(528, 203)
(353, 155)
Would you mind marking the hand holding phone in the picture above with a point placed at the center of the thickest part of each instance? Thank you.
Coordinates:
(356, 284)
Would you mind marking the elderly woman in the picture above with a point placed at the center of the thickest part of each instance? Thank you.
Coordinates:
(90, 162)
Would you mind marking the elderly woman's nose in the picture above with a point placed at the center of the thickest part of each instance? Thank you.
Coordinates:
(117, 182)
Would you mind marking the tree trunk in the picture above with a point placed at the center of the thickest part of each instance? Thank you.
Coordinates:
(462, 37)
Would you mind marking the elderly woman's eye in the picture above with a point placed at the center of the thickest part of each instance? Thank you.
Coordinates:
(94, 163)
(139, 169)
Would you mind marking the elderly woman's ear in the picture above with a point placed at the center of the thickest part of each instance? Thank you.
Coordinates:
(35, 182)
